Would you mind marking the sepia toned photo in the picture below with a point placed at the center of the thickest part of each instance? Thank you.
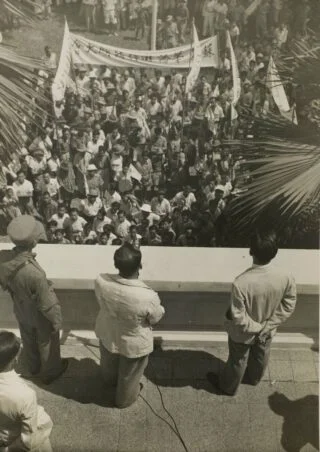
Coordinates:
(159, 225)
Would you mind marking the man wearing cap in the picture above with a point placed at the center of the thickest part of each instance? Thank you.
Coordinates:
(36, 305)
(147, 214)
(91, 205)
(94, 180)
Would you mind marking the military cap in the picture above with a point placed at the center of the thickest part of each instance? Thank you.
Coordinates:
(25, 230)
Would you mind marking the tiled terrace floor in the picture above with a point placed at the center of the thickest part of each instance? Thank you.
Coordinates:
(281, 414)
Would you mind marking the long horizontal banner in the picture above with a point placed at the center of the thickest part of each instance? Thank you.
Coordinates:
(85, 51)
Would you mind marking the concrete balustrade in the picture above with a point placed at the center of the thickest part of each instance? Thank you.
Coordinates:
(194, 285)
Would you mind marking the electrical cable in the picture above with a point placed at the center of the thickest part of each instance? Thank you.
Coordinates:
(175, 429)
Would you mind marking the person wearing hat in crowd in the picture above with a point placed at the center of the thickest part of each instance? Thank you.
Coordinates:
(125, 329)
(91, 205)
(24, 425)
(147, 214)
(94, 180)
(36, 305)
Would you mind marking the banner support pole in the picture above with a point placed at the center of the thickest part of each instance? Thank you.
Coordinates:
(154, 25)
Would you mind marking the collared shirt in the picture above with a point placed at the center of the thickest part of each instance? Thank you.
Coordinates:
(89, 209)
(162, 207)
(23, 190)
(24, 424)
(52, 187)
(78, 224)
(122, 229)
(128, 309)
(61, 221)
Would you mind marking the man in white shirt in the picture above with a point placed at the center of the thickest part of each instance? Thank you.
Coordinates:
(77, 223)
(24, 425)
(50, 185)
(23, 190)
(91, 205)
(61, 217)
(128, 83)
(122, 225)
(128, 310)
(186, 196)
(262, 298)
(160, 205)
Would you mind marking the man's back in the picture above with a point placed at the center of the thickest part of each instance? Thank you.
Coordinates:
(259, 291)
(128, 308)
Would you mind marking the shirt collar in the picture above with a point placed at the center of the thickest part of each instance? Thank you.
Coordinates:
(128, 282)
(261, 266)
(8, 375)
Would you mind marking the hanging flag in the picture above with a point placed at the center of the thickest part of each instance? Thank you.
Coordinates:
(276, 88)
(235, 78)
(62, 77)
(196, 62)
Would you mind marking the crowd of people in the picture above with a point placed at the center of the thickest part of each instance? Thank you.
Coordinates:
(131, 157)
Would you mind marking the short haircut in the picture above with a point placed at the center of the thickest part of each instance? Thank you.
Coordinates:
(264, 246)
(20, 172)
(127, 260)
(9, 348)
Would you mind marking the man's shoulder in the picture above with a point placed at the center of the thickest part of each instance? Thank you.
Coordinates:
(254, 273)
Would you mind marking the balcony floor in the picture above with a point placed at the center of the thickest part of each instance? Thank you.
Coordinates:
(84, 420)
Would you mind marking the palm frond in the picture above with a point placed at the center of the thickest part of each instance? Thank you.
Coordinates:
(19, 99)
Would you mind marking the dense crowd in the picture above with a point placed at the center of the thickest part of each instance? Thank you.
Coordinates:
(132, 157)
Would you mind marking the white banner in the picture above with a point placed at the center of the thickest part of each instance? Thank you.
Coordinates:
(85, 51)
(62, 75)
(235, 77)
(276, 88)
(196, 62)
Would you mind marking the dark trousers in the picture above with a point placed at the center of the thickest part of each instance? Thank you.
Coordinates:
(248, 361)
(124, 373)
(41, 349)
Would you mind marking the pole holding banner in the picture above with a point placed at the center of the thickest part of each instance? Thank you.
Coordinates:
(154, 25)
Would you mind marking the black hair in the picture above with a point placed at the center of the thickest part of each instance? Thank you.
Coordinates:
(9, 348)
(127, 260)
(264, 246)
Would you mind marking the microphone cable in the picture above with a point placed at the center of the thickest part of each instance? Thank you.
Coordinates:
(175, 429)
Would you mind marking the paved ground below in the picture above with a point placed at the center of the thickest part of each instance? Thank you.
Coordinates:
(281, 414)
(30, 40)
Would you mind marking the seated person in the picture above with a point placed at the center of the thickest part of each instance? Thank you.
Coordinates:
(24, 425)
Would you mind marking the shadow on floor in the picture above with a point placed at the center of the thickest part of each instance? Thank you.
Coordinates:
(300, 420)
(179, 368)
(83, 383)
